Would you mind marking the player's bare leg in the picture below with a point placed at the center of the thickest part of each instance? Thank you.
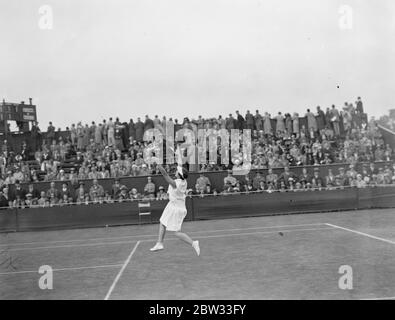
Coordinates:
(184, 237)
(161, 236)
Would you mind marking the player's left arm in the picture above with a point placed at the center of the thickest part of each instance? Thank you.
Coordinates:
(167, 177)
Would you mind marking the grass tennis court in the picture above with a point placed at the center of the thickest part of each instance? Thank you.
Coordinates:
(243, 258)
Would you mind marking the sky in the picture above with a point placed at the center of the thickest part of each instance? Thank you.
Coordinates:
(178, 58)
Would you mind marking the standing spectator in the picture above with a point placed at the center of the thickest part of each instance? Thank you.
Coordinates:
(98, 135)
(335, 119)
(239, 121)
(132, 130)
(267, 124)
(148, 124)
(249, 121)
(230, 122)
(320, 119)
(80, 136)
(73, 134)
(295, 124)
(111, 132)
(139, 126)
(105, 132)
(359, 105)
(258, 121)
(280, 126)
(36, 136)
(50, 133)
(288, 123)
(311, 123)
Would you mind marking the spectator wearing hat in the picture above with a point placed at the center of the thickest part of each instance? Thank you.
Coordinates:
(317, 181)
(123, 194)
(229, 181)
(65, 191)
(162, 195)
(96, 191)
(18, 192)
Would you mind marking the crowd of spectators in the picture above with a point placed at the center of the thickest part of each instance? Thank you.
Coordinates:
(114, 149)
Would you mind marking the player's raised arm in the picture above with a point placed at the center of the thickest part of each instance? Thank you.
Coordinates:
(166, 176)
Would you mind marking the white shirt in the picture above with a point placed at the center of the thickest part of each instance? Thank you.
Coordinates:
(178, 193)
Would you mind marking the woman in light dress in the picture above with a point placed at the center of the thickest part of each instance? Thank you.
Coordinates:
(175, 211)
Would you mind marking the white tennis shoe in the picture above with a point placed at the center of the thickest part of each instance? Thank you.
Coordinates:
(157, 247)
(195, 245)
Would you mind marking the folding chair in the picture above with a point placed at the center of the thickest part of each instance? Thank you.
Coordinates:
(144, 210)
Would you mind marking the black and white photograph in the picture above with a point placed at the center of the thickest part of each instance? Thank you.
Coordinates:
(197, 155)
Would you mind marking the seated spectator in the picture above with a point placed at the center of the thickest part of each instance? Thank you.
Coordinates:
(342, 178)
(305, 177)
(30, 202)
(4, 198)
(201, 183)
(18, 192)
(330, 179)
(33, 191)
(149, 189)
(42, 200)
(52, 191)
(257, 180)
(134, 195)
(298, 187)
(65, 191)
(162, 195)
(123, 194)
(80, 193)
(65, 200)
(271, 177)
(317, 181)
(229, 181)
(287, 176)
(96, 191)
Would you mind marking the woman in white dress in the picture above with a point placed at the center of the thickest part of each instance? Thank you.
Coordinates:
(175, 211)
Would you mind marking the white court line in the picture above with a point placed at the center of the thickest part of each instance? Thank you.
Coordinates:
(154, 235)
(248, 233)
(64, 269)
(384, 298)
(149, 240)
(361, 233)
(121, 271)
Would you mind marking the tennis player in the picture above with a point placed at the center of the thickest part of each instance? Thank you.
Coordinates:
(175, 211)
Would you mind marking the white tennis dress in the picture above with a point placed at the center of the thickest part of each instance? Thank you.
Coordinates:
(175, 211)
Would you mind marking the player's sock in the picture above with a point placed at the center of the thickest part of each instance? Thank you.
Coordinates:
(158, 246)
(195, 245)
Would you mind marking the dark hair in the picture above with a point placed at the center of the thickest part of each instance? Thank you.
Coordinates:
(184, 174)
